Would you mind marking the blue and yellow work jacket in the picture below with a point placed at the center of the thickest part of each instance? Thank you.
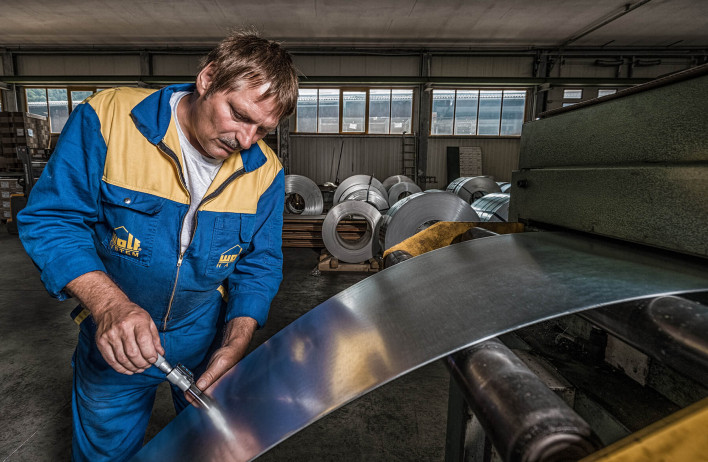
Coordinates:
(112, 198)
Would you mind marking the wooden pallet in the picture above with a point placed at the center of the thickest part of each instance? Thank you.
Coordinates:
(306, 231)
(328, 262)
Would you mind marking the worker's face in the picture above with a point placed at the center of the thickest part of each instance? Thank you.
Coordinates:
(227, 121)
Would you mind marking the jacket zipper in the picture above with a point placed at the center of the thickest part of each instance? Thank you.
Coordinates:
(195, 221)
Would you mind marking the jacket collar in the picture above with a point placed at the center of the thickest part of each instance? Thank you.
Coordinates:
(153, 114)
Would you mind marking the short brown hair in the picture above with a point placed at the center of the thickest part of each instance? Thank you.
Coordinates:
(243, 56)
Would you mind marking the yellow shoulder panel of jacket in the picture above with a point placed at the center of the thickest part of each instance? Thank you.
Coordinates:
(133, 162)
(247, 189)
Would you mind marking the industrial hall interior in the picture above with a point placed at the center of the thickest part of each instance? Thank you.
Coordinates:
(326, 230)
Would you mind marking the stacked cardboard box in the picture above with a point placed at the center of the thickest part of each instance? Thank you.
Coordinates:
(22, 129)
(8, 187)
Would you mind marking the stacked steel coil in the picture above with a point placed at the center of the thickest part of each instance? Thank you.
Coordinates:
(492, 207)
(504, 186)
(357, 182)
(472, 188)
(366, 194)
(351, 251)
(302, 196)
(415, 213)
(400, 190)
(395, 179)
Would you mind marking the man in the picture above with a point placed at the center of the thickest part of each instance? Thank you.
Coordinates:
(161, 212)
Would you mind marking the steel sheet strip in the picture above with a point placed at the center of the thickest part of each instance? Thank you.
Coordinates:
(395, 179)
(415, 213)
(357, 251)
(402, 190)
(366, 180)
(405, 317)
(472, 188)
(492, 207)
(308, 190)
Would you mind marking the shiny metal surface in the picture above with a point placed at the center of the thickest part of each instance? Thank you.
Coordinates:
(417, 212)
(405, 317)
(395, 179)
(504, 186)
(366, 194)
(308, 191)
(401, 190)
(473, 187)
(366, 180)
(349, 251)
(492, 207)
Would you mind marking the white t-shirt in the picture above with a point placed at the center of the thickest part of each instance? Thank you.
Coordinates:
(198, 171)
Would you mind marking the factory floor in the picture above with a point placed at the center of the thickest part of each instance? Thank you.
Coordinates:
(402, 421)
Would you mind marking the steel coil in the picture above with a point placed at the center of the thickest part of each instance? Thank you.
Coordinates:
(504, 186)
(366, 180)
(356, 251)
(472, 188)
(302, 196)
(369, 195)
(492, 207)
(395, 179)
(400, 190)
(415, 213)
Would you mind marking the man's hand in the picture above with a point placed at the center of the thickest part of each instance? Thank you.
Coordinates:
(126, 335)
(239, 332)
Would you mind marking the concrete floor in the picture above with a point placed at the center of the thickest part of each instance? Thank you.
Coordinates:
(402, 421)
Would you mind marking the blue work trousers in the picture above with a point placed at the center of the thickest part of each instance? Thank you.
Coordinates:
(111, 410)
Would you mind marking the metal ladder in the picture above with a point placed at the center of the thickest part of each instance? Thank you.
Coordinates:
(409, 155)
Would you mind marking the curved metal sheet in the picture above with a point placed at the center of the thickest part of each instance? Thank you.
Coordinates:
(405, 317)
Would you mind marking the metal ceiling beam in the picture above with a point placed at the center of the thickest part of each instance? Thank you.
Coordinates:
(603, 22)
(333, 80)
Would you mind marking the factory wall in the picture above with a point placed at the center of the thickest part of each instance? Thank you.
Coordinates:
(312, 155)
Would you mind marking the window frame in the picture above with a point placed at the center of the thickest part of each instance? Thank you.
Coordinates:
(478, 89)
(69, 89)
(367, 91)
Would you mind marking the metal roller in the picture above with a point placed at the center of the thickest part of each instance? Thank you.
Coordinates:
(492, 207)
(354, 180)
(302, 196)
(395, 179)
(357, 251)
(405, 317)
(400, 190)
(369, 195)
(417, 212)
(472, 188)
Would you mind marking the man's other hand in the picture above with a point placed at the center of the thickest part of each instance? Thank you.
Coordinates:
(239, 332)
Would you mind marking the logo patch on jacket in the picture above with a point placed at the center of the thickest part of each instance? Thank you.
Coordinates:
(229, 256)
(125, 243)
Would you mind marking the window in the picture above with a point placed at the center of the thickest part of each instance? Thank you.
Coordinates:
(477, 112)
(605, 92)
(55, 103)
(353, 111)
(573, 94)
(378, 111)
